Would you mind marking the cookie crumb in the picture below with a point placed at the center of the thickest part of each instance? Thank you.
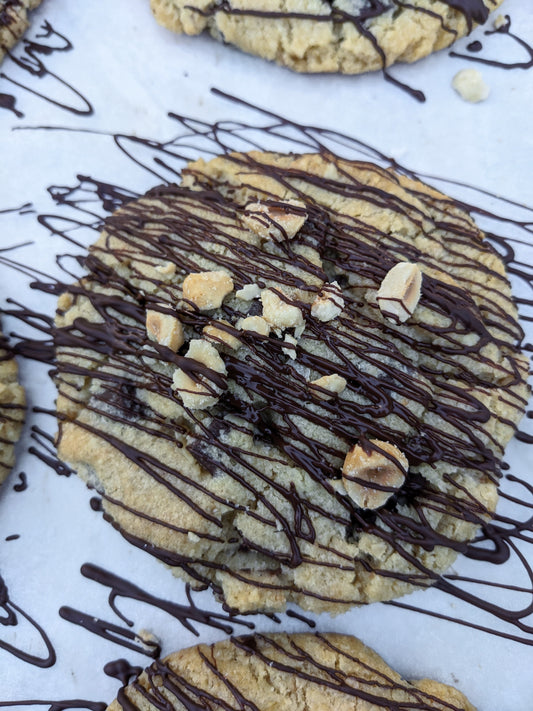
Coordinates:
(470, 86)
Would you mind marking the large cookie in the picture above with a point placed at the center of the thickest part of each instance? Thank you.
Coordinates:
(14, 21)
(349, 36)
(300, 672)
(271, 405)
(12, 406)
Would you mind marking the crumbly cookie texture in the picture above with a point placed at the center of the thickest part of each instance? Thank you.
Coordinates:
(349, 36)
(14, 21)
(12, 405)
(470, 86)
(284, 452)
(300, 672)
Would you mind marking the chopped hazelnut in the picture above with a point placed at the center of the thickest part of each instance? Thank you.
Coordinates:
(334, 383)
(164, 329)
(371, 478)
(399, 292)
(215, 334)
(276, 222)
(291, 352)
(278, 312)
(199, 392)
(248, 292)
(329, 303)
(254, 323)
(206, 290)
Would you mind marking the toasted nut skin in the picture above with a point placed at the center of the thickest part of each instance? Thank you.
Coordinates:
(329, 303)
(165, 329)
(334, 383)
(254, 323)
(275, 222)
(202, 392)
(248, 292)
(215, 334)
(399, 292)
(278, 312)
(363, 472)
(206, 290)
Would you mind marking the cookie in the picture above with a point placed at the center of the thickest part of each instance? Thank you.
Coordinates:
(12, 402)
(14, 21)
(307, 672)
(292, 378)
(334, 36)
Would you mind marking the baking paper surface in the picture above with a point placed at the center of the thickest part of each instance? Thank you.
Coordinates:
(134, 73)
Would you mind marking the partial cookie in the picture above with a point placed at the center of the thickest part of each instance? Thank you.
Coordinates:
(335, 36)
(14, 21)
(292, 379)
(300, 672)
(12, 406)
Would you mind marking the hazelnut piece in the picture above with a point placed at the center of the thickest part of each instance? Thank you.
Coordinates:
(399, 292)
(206, 290)
(371, 477)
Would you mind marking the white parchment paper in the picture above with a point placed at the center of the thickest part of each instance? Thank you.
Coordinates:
(133, 73)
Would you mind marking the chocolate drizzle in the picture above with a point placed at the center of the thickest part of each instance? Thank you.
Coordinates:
(122, 670)
(23, 483)
(272, 131)
(188, 615)
(56, 705)
(454, 436)
(32, 61)
(10, 616)
(504, 29)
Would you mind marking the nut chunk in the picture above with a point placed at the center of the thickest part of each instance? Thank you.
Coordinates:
(469, 84)
(200, 391)
(217, 334)
(329, 303)
(334, 384)
(275, 222)
(206, 290)
(371, 477)
(399, 292)
(164, 329)
(278, 312)
(257, 324)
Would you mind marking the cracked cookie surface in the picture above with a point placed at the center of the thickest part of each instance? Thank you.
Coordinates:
(348, 36)
(301, 672)
(12, 406)
(234, 381)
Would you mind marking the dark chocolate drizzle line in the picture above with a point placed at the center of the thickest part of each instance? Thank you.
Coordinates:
(23, 483)
(32, 61)
(189, 616)
(9, 617)
(505, 29)
(165, 159)
(64, 705)
(164, 687)
(122, 670)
